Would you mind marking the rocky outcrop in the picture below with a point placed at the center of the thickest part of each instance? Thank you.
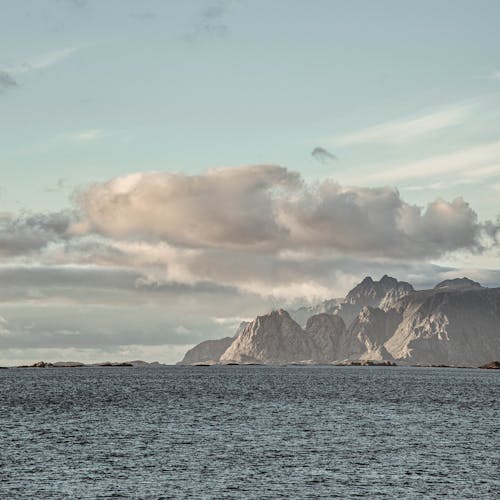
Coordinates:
(492, 365)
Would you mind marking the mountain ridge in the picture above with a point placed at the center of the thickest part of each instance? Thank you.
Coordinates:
(455, 323)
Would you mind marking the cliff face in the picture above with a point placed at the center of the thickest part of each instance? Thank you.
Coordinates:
(326, 332)
(368, 333)
(456, 323)
(452, 327)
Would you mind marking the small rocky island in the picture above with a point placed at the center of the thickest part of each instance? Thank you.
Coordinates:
(76, 364)
(385, 322)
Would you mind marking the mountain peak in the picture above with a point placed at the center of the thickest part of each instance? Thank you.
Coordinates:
(458, 283)
(371, 293)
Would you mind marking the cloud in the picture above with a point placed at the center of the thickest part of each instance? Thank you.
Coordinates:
(44, 61)
(9, 76)
(323, 155)
(409, 129)
(50, 59)
(7, 81)
(26, 234)
(143, 16)
(232, 207)
(85, 135)
(473, 161)
(269, 209)
(210, 22)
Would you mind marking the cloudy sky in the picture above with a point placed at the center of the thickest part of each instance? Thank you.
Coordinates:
(171, 168)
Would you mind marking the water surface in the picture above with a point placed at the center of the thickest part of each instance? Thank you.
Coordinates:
(249, 432)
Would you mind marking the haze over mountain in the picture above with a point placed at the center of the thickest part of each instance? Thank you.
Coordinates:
(456, 323)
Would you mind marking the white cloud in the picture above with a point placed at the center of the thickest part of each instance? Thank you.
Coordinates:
(44, 61)
(403, 130)
(473, 161)
(85, 135)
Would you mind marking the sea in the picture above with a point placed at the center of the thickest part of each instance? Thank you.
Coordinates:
(249, 432)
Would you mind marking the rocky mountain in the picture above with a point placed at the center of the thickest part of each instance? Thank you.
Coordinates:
(368, 333)
(271, 338)
(210, 351)
(456, 323)
(326, 332)
(458, 283)
(382, 294)
(207, 352)
(451, 326)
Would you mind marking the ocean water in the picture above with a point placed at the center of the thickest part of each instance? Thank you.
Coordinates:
(249, 432)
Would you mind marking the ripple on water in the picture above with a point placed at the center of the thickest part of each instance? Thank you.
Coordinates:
(252, 432)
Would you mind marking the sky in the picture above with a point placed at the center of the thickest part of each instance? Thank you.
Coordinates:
(169, 169)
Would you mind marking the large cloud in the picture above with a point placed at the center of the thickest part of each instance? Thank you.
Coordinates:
(229, 207)
(269, 208)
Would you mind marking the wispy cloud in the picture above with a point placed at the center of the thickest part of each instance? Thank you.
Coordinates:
(85, 135)
(495, 75)
(9, 75)
(43, 62)
(408, 129)
(475, 161)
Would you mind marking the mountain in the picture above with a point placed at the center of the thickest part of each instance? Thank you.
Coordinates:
(271, 338)
(207, 352)
(451, 326)
(210, 351)
(455, 323)
(383, 294)
(326, 332)
(458, 283)
(368, 333)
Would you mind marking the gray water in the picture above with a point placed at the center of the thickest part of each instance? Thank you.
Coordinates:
(249, 432)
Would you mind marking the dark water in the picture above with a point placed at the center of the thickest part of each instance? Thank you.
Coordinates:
(249, 432)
